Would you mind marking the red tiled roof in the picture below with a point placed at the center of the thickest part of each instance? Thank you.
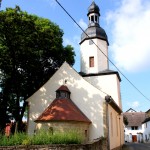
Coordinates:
(135, 118)
(62, 110)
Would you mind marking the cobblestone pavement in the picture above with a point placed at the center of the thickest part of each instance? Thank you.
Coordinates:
(136, 146)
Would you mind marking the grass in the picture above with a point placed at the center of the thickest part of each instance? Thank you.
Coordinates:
(42, 138)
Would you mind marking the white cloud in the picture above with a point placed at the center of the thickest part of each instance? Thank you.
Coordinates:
(52, 3)
(72, 41)
(82, 24)
(134, 104)
(130, 24)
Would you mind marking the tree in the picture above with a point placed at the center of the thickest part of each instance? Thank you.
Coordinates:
(31, 51)
(0, 3)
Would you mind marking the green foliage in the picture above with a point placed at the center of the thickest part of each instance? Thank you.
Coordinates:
(31, 51)
(42, 138)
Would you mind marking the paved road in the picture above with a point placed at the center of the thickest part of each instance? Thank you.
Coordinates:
(136, 146)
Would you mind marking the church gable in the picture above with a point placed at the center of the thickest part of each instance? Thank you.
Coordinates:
(85, 96)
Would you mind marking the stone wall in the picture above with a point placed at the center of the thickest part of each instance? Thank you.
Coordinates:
(97, 145)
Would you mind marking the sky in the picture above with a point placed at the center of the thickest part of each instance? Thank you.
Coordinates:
(127, 25)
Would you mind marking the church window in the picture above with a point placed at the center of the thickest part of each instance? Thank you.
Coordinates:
(62, 94)
(91, 61)
(51, 130)
(95, 18)
(86, 133)
(57, 94)
(92, 18)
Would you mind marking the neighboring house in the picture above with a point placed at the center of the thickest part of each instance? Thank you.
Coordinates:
(146, 127)
(88, 102)
(134, 130)
(148, 113)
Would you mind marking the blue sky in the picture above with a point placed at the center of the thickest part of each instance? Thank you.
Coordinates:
(127, 24)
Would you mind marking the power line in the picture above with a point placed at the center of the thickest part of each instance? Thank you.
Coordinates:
(102, 51)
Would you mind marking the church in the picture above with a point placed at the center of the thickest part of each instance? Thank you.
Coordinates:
(88, 101)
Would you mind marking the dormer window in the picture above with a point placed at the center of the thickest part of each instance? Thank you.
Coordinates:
(63, 92)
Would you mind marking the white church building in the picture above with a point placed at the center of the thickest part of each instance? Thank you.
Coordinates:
(88, 101)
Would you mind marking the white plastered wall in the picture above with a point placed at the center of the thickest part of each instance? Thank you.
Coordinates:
(108, 84)
(89, 50)
(146, 131)
(88, 99)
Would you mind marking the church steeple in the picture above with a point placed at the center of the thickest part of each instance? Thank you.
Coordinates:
(93, 14)
(92, 59)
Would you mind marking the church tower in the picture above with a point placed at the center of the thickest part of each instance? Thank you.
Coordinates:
(92, 59)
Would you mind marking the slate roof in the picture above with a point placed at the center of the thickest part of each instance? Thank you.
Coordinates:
(93, 8)
(94, 30)
(130, 110)
(62, 110)
(104, 72)
(135, 118)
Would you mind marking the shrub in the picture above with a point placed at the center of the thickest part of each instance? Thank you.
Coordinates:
(15, 139)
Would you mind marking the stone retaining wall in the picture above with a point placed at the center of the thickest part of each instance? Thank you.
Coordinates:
(97, 145)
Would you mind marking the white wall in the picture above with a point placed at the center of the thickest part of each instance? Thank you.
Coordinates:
(88, 50)
(129, 132)
(88, 99)
(146, 133)
(108, 84)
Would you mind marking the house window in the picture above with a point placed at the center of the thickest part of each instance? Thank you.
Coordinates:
(146, 137)
(91, 61)
(134, 128)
